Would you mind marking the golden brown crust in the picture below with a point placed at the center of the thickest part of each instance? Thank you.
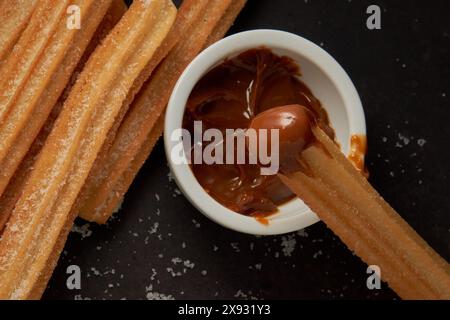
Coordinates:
(186, 15)
(226, 22)
(76, 138)
(114, 198)
(46, 100)
(115, 12)
(41, 89)
(14, 15)
(347, 203)
(147, 109)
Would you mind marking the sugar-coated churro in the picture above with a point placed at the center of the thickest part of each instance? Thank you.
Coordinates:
(64, 162)
(115, 12)
(27, 51)
(17, 182)
(332, 187)
(186, 15)
(115, 197)
(14, 15)
(126, 152)
(41, 89)
(225, 22)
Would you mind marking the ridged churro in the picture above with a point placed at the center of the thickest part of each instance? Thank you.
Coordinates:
(114, 198)
(133, 142)
(20, 64)
(15, 186)
(340, 195)
(225, 22)
(186, 15)
(32, 98)
(14, 15)
(64, 162)
(115, 12)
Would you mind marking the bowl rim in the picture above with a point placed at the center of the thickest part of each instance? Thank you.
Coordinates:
(210, 57)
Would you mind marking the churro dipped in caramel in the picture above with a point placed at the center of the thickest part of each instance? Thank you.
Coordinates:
(314, 168)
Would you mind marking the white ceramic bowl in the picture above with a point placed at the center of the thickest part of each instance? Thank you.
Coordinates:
(321, 73)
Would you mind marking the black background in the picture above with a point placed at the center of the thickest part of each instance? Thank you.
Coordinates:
(403, 77)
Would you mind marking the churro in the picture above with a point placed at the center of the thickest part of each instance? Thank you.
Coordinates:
(65, 160)
(114, 198)
(27, 51)
(332, 187)
(115, 12)
(12, 192)
(32, 103)
(14, 16)
(130, 147)
(186, 15)
(225, 22)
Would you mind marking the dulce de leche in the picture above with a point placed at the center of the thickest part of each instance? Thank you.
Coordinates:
(231, 96)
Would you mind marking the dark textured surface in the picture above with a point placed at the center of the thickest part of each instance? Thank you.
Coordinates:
(158, 245)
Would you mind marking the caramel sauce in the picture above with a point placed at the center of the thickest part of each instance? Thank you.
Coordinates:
(262, 220)
(358, 149)
(230, 96)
